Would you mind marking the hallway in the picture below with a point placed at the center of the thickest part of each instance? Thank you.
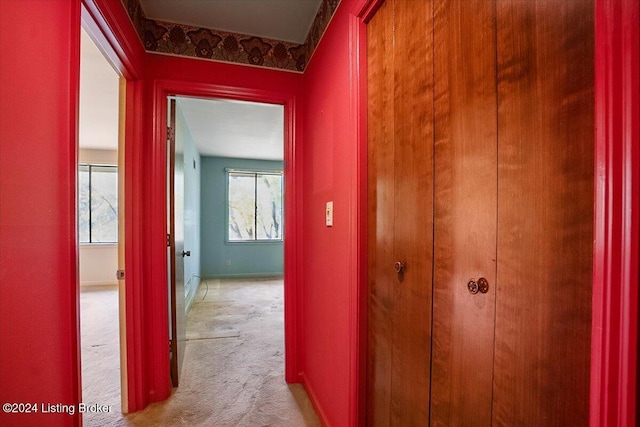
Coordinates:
(326, 101)
(233, 372)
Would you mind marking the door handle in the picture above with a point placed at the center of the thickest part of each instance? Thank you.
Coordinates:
(399, 267)
(482, 286)
(186, 253)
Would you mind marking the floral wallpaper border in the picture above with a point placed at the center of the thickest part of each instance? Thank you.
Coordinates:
(185, 40)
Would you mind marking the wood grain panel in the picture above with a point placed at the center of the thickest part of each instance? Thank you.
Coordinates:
(413, 244)
(545, 215)
(380, 200)
(465, 212)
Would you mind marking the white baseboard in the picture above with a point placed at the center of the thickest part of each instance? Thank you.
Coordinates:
(100, 283)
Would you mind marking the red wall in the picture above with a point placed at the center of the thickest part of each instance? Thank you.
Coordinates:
(39, 68)
(330, 264)
(237, 78)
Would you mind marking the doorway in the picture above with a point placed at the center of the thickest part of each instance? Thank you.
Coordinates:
(100, 234)
(225, 201)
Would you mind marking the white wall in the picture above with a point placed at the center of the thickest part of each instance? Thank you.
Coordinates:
(101, 157)
(98, 262)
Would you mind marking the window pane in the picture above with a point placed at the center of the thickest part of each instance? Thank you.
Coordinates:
(104, 204)
(241, 207)
(269, 207)
(83, 203)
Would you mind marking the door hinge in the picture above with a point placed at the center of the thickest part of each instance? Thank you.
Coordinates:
(170, 132)
(120, 274)
(168, 240)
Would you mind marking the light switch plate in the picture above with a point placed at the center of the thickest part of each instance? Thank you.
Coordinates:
(329, 214)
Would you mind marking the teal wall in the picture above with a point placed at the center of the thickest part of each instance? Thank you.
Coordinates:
(192, 225)
(246, 259)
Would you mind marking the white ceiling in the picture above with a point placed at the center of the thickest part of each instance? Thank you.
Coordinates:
(98, 99)
(286, 20)
(244, 130)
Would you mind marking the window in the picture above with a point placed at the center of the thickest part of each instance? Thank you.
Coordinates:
(98, 204)
(254, 206)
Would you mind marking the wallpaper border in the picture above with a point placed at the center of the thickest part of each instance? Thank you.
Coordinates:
(205, 43)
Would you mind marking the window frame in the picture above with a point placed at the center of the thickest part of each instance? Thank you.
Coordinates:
(255, 173)
(90, 165)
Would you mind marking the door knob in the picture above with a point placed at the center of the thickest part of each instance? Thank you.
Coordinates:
(399, 267)
(186, 253)
(482, 286)
(472, 286)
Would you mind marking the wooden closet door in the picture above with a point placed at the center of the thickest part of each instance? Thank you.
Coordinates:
(380, 219)
(545, 215)
(400, 213)
(465, 212)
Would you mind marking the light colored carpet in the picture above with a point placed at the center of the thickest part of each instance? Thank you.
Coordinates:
(233, 372)
(100, 351)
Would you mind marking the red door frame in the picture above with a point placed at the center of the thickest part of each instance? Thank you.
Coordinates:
(614, 338)
(614, 348)
(161, 90)
(102, 20)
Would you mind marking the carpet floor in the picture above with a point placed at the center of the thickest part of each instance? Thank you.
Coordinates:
(233, 371)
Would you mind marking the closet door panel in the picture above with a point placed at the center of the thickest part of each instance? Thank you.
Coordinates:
(545, 215)
(413, 228)
(465, 212)
(381, 178)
